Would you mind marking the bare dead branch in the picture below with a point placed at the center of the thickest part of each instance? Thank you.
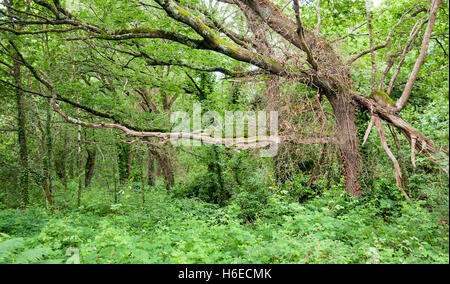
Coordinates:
(423, 144)
(369, 129)
(319, 19)
(398, 172)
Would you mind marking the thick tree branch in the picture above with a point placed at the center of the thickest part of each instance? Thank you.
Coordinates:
(234, 143)
(422, 143)
(301, 34)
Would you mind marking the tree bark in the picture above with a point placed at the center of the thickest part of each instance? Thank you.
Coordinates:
(79, 160)
(150, 169)
(165, 164)
(21, 133)
(124, 153)
(49, 157)
(345, 119)
(90, 166)
(61, 162)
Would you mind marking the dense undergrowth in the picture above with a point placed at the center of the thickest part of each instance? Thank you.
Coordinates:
(330, 228)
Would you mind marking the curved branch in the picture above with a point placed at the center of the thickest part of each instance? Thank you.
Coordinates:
(423, 143)
(409, 46)
(398, 172)
(400, 104)
(175, 62)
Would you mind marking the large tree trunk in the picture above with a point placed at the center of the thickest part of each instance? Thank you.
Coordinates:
(165, 164)
(345, 118)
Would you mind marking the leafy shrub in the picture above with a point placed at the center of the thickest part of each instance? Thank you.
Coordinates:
(206, 186)
(385, 199)
(22, 223)
(259, 225)
(250, 203)
(299, 190)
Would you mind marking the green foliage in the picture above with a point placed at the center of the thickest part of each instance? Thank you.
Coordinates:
(257, 226)
(250, 203)
(13, 251)
(299, 190)
(205, 186)
(22, 223)
(384, 198)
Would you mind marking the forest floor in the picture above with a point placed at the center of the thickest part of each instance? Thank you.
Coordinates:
(332, 228)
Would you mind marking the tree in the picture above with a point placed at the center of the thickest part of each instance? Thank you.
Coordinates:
(21, 115)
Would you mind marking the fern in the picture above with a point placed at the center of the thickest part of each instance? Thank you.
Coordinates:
(7, 248)
(10, 253)
(33, 255)
(52, 261)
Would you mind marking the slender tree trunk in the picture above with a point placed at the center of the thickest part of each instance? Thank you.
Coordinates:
(48, 157)
(61, 162)
(348, 142)
(64, 162)
(79, 161)
(124, 153)
(21, 133)
(167, 168)
(21, 115)
(143, 183)
(150, 169)
(115, 186)
(89, 166)
(129, 161)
